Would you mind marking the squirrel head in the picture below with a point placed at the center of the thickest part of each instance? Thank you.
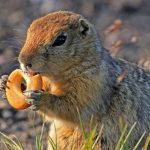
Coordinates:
(56, 42)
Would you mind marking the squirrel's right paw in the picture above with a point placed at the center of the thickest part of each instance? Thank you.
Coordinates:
(3, 82)
(34, 98)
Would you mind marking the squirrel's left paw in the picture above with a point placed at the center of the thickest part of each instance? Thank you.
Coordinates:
(33, 98)
(3, 82)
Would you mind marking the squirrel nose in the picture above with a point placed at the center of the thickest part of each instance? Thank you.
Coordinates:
(28, 65)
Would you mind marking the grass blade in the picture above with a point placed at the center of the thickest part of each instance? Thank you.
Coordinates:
(147, 143)
(121, 138)
(10, 144)
(98, 137)
(136, 146)
(89, 140)
(81, 124)
(52, 143)
(133, 126)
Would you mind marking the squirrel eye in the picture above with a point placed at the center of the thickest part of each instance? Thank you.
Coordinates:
(60, 40)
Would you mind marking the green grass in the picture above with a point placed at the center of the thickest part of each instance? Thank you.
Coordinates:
(89, 144)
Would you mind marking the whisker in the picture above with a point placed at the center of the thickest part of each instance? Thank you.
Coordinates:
(16, 65)
(9, 61)
(12, 42)
(13, 59)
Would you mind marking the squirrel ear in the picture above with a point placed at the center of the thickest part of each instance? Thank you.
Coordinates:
(83, 27)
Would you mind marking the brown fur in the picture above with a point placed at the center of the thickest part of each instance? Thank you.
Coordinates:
(44, 30)
(92, 78)
(66, 137)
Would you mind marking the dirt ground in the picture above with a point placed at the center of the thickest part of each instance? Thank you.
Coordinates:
(123, 26)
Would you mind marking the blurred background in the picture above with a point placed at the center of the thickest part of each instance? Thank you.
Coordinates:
(123, 27)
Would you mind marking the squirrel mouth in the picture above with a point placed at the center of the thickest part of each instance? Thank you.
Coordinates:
(30, 72)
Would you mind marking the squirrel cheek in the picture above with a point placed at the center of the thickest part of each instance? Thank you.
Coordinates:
(55, 86)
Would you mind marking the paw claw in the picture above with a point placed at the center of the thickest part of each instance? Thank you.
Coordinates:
(34, 108)
(4, 76)
(4, 97)
(33, 94)
(2, 89)
(30, 101)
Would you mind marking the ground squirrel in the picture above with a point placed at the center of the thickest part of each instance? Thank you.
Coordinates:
(65, 46)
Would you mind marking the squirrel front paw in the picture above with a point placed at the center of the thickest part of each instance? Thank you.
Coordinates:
(3, 82)
(34, 98)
